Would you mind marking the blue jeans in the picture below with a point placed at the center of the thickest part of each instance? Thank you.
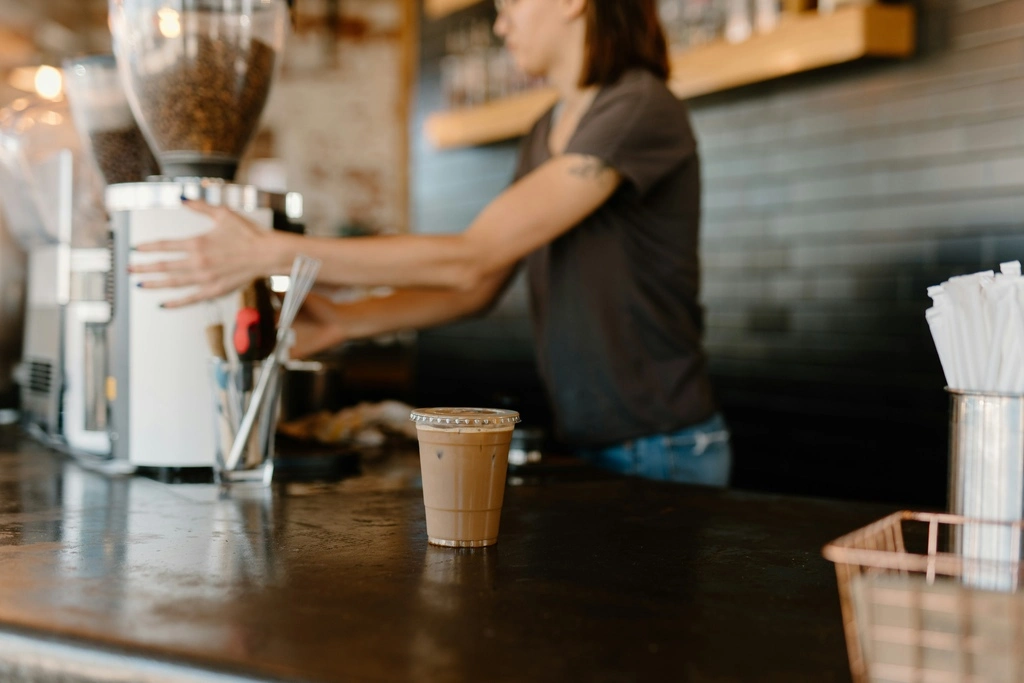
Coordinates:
(700, 454)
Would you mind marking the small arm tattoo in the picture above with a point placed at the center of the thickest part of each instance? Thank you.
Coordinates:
(588, 168)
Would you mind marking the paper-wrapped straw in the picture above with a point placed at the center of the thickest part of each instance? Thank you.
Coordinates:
(977, 325)
(940, 335)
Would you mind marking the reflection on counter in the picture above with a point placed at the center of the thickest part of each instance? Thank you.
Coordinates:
(453, 583)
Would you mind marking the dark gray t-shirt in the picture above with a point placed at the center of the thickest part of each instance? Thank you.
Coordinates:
(615, 314)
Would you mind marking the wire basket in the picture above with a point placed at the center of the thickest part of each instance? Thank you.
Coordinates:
(932, 598)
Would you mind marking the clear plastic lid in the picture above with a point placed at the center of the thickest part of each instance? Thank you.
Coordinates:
(461, 418)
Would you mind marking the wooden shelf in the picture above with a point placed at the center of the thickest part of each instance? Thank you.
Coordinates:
(498, 120)
(800, 43)
(439, 8)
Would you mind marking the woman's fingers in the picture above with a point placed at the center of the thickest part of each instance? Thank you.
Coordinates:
(320, 308)
(213, 290)
(172, 282)
(159, 267)
(199, 206)
(311, 338)
(201, 295)
(185, 245)
(215, 262)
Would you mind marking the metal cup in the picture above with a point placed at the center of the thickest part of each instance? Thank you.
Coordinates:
(986, 481)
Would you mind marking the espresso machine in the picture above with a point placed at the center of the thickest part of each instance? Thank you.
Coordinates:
(197, 74)
(51, 201)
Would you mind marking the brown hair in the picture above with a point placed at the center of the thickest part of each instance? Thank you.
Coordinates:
(622, 35)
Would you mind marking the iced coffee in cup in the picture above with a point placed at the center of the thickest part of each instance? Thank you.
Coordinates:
(463, 458)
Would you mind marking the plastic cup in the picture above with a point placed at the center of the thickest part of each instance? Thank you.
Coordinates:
(463, 460)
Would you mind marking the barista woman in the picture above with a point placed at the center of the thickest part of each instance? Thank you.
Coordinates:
(604, 212)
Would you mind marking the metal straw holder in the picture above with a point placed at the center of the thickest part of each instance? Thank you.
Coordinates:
(986, 453)
(986, 474)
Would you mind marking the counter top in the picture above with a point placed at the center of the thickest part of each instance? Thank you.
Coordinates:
(594, 578)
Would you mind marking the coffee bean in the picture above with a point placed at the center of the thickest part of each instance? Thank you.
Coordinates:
(208, 100)
(122, 155)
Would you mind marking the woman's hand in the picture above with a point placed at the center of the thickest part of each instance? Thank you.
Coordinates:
(231, 255)
(317, 327)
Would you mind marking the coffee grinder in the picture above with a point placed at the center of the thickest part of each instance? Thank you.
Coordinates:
(197, 74)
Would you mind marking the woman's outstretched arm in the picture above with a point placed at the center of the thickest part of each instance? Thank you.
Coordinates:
(530, 213)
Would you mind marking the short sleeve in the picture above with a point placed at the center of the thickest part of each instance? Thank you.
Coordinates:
(639, 128)
(522, 158)
(530, 147)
